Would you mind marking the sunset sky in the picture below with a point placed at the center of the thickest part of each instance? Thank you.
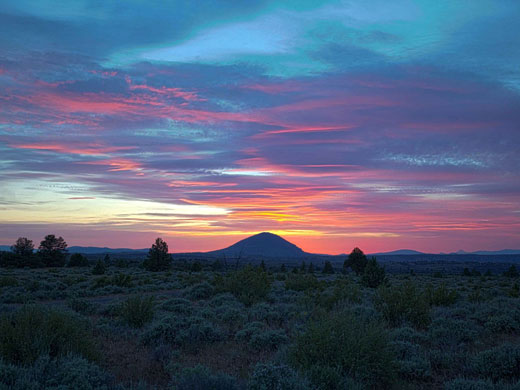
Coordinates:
(378, 124)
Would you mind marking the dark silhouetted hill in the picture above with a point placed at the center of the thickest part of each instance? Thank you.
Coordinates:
(262, 245)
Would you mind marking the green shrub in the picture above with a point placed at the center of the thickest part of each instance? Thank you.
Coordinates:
(249, 285)
(201, 378)
(99, 268)
(499, 363)
(77, 260)
(343, 345)
(190, 331)
(81, 306)
(343, 291)
(403, 303)
(68, 372)
(121, 280)
(270, 376)
(268, 339)
(374, 275)
(441, 296)
(200, 291)
(138, 310)
(32, 331)
(301, 282)
(468, 384)
(8, 281)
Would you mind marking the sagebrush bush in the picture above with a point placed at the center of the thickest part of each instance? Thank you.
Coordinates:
(342, 291)
(301, 282)
(441, 296)
(182, 331)
(200, 291)
(404, 303)
(499, 363)
(32, 331)
(270, 376)
(138, 310)
(249, 285)
(268, 339)
(468, 384)
(343, 345)
(67, 372)
(178, 305)
(202, 378)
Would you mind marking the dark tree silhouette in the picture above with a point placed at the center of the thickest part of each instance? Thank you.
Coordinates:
(262, 266)
(53, 251)
(327, 268)
(23, 247)
(283, 268)
(512, 272)
(303, 267)
(158, 258)
(99, 268)
(311, 268)
(374, 275)
(77, 260)
(357, 261)
(107, 260)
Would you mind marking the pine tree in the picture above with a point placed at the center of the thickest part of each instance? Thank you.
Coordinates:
(374, 275)
(158, 258)
(311, 268)
(327, 268)
(53, 251)
(357, 261)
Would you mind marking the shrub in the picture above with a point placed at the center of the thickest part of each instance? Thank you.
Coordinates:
(512, 272)
(178, 305)
(468, 384)
(403, 303)
(374, 275)
(249, 285)
(270, 376)
(121, 280)
(81, 306)
(201, 378)
(8, 281)
(441, 296)
(68, 372)
(138, 310)
(499, 363)
(301, 282)
(32, 331)
(190, 331)
(250, 329)
(343, 291)
(268, 339)
(200, 291)
(99, 268)
(343, 345)
(77, 260)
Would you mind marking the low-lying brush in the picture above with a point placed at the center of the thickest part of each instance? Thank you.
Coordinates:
(31, 332)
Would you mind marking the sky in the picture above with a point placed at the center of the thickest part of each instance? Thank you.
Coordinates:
(369, 123)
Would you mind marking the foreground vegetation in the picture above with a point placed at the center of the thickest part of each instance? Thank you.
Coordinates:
(109, 325)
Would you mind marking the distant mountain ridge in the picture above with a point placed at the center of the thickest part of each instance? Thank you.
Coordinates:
(269, 245)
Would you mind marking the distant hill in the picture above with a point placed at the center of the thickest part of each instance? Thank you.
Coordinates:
(402, 252)
(92, 250)
(262, 245)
